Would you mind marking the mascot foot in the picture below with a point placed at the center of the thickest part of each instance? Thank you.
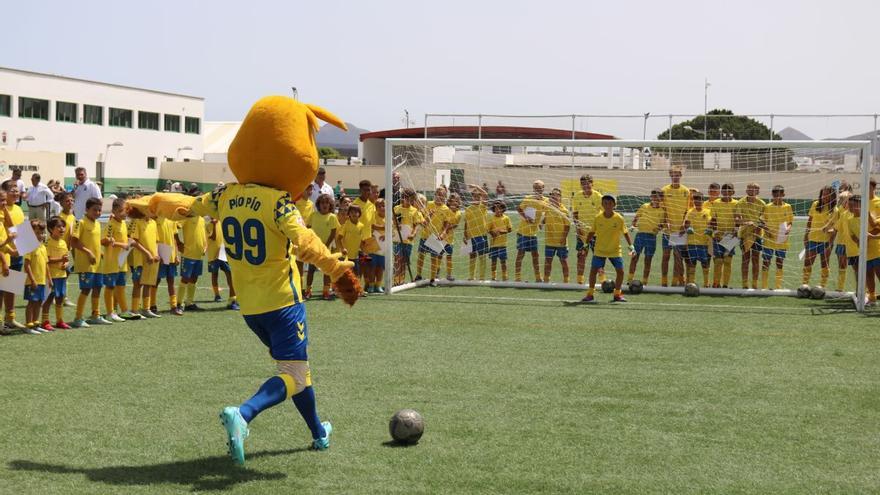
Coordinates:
(348, 287)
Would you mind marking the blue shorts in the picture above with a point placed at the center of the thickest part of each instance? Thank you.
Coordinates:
(852, 261)
(480, 245)
(599, 262)
(136, 272)
(34, 295)
(59, 288)
(816, 247)
(645, 241)
(17, 263)
(90, 281)
(377, 261)
(218, 266)
(190, 268)
(873, 264)
(758, 245)
(166, 271)
(560, 251)
(698, 253)
(580, 246)
(284, 331)
(768, 253)
(718, 251)
(401, 249)
(446, 249)
(113, 279)
(840, 250)
(526, 243)
(498, 253)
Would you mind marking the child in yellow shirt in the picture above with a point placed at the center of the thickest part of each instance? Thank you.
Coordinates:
(86, 240)
(499, 226)
(776, 223)
(406, 219)
(325, 224)
(699, 234)
(557, 224)
(351, 237)
(607, 229)
(59, 260)
(36, 266)
(649, 220)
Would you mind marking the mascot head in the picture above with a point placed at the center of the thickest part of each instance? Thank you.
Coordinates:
(275, 145)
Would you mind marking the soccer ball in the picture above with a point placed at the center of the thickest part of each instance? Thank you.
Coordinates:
(406, 426)
(691, 290)
(818, 292)
(608, 286)
(636, 287)
(804, 291)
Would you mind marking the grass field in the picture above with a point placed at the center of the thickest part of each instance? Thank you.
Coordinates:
(523, 391)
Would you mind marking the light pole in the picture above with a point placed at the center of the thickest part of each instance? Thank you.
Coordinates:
(295, 93)
(185, 148)
(26, 138)
(706, 106)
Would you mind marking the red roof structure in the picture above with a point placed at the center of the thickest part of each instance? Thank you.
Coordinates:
(485, 132)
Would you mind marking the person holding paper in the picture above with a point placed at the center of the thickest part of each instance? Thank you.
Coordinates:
(499, 226)
(649, 220)
(455, 215)
(115, 239)
(817, 240)
(16, 261)
(36, 264)
(531, 212)
(676, 201)
(86, 240)
(476, 230)
(59, 259)
(557, 223)
(776, 222)
(145, 266)
(217, 265)
(437, 215)
(696, 224)
(191, 266)
(585, 205)
(406, 218)
(166, 241)
(324, 223)
(748, 213)
(724, 225)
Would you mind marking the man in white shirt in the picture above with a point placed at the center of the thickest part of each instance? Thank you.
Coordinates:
(83, 189)
(39, 198)
(320, 187)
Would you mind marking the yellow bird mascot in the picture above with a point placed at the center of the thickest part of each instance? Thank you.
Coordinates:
(274, 158)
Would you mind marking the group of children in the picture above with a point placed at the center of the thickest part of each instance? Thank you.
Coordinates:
(151, 249)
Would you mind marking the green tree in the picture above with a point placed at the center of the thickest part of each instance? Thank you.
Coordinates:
(724, 125)
(328, 152)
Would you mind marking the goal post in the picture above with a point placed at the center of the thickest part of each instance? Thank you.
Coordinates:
(630, 170)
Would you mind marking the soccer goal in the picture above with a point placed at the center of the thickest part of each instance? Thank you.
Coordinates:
(733, 218)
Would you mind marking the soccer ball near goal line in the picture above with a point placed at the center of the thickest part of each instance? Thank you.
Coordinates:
(406, 427)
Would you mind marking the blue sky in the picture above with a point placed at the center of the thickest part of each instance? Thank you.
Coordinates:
(367, 61)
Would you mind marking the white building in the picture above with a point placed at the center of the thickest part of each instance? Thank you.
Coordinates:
(118, 133)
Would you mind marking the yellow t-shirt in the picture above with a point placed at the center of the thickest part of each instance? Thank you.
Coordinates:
(773, 217)
(305, 207)
(699, 222)
(454, 220)
(145, 231)
(439, 216)
(500, 223)
(166, 233)
(818, 220)
(39, 260)
(750, 211)
(368, 211)
(212, 252)
(852, 247)
(557, 224)
(118, 231)
(585, 208)
(89, 233)
(540, 205)
(476, 221)
(677, 202)
(57, 249)
(69, 224)
(408, 216)
(608, 232)
(324, 224)
(724, 213)
(650, 218)
(16, 214)
(195, 240)
(352, 235)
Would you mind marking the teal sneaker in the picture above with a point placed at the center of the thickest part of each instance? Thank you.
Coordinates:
(236, 432)
(323, 443)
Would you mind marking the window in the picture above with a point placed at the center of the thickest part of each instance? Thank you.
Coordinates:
(192, 125)
(172, 123)
(32, 108)
(65, 111)
(70, 159)
(501, 150)
(148, 120)
(5, 106)
(151, 162)
(93, 114)
(120, 117)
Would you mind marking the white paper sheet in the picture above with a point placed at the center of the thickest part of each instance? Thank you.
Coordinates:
(678, 239)
(405, 231)
(782, 234)
(382, 244)
(165, 253)
(13, 283)
(467, 247)
(435, 244)
(729, 242)
(802, 254)
(123, 256)
(26, 240)
(221, 255)
(529, 213)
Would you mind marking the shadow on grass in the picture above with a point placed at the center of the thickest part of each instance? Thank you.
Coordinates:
(206, 474)
(392, 444)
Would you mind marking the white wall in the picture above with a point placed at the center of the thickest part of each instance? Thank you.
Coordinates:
(89, 142)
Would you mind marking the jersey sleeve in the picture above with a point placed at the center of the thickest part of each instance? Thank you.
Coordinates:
(307, 246)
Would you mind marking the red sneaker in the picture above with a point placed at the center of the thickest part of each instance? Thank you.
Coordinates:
(307, 294)
(47, 326)
(60, 325)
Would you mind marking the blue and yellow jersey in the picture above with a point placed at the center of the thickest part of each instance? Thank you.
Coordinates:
(88, 232)
(56, 249)
(773, 217)
(145, 231)
(323, 224)
(212, 251)
(39, 260)
(585, 208)
(476, 221)
(676, 202)
(500, 223)
(540, 205)
(166, 233)
(557, 223)
(608, 232)
(650, 218)
(699, 222)
(195, 239)
(408, 216)
(724, 213)
(118, 232)
(818, 220)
